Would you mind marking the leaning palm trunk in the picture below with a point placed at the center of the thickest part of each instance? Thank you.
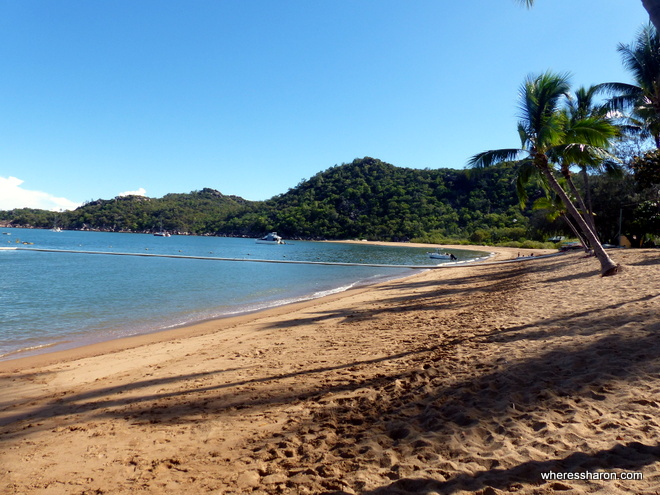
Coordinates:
(588, 218)
(575, 231)
(607, 266)
(587, 196)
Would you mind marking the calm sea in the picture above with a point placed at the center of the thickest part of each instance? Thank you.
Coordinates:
(53, 301)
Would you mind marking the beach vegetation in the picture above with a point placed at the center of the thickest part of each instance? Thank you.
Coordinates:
(646, 170)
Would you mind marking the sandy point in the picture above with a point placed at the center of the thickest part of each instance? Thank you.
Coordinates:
(529, 377)
(498, 253)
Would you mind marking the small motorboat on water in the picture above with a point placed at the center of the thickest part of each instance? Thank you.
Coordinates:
(442, 256)
(271, 238)
(162, 234)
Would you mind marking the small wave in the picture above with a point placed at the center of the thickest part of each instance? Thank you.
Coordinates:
(284, 302)
(34, 348)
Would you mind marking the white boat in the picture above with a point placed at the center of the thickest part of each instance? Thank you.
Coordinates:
(163, 234)
(441, 256)
(56, 228)
(271, 238)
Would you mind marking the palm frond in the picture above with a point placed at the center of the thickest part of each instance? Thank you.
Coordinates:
(642, 57)
(546, 203)
(613, 169)
(539, 101)
(552, 204)
(552, 131)
(623, 103)
(615, 88)
(581, 154)
(633, 130)
(583, 105)
(492, 157)
(622, 96)
(597, 131)
(524, 135)
(526, 172)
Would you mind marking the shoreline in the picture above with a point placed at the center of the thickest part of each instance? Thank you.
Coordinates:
(96, 346)
(65, 349)
(470, 380)
(159, 336)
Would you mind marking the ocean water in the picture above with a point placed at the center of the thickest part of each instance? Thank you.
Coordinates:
(51, 301)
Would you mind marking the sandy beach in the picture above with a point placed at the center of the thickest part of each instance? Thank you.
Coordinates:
(478, 379)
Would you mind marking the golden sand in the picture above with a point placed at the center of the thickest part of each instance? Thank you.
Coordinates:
(477, 379)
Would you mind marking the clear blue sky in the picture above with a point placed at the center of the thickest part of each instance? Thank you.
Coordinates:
(249, 97)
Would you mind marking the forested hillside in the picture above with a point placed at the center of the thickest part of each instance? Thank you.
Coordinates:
(366, 198)
(375, 200)
(196, 212)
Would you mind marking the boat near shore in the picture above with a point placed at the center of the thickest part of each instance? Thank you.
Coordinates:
(271, 238)
(437, 255)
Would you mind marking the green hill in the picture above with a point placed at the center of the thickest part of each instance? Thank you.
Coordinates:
(366, 198)
(372, 199)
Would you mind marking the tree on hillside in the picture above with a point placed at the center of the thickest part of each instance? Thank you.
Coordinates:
(549, 139)
(651, 6)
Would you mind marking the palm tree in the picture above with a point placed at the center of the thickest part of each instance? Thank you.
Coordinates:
(581, 107)
(547, 138)
(642, 99)
(651, 6)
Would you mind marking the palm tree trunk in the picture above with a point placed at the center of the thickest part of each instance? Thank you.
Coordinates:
(585, 212)
(574, 229)
(587, 196)
(607, 266)
(653, 8)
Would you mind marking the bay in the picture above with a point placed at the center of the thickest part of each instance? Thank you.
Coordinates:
(51, 300)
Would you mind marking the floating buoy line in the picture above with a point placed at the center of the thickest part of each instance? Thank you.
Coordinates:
(291, 262)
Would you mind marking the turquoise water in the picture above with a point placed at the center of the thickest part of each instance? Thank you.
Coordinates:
(51, 301)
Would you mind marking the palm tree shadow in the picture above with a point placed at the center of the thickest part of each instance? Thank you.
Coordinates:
(449, 294)
(649, 261)
(630, 457)
(422, 414)
(111, 401)
(572, 324)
